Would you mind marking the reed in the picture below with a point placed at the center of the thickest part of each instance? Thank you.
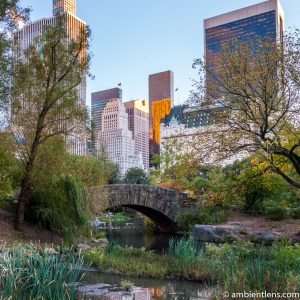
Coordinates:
(27, 272)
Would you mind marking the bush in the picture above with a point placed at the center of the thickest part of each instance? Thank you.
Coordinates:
(136, 176)
(295, 213)
(276, 212)
(61, 204)
(205, 215)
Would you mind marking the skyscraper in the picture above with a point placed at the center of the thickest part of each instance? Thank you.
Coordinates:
(99, 101)
(116, 137)
(61, 6)
(138, 122)
(161, 95)
(263, 20)
(74, 27)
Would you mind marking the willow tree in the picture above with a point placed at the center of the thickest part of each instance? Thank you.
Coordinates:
(254, 88)
(46, 102)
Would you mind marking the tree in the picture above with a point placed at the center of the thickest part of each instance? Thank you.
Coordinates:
(11, 14)
(45, 102)
(256, 87)
(136, 176)
(8, 167)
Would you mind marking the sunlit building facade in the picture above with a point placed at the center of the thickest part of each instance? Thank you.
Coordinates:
(161, 96)
(61, 6)
(138, 123)
(23, 38)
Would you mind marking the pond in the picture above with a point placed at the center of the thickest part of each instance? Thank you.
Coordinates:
(132, 232)
(156, 288)
(129, 232)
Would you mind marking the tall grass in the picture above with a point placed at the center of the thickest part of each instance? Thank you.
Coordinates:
(27, 272)
(233, 267)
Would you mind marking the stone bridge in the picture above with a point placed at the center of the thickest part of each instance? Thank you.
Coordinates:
(159, 204)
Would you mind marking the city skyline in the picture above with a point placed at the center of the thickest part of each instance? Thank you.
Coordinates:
(127, 47)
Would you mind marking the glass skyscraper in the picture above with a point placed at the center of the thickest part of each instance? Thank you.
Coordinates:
(263, 20)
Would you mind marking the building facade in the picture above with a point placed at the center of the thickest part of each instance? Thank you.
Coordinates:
(98, 103)
(61, 6)
(77, 143)
(264, 21)
(116, 137)
(161, 97)
(185, 130)
(138, 123)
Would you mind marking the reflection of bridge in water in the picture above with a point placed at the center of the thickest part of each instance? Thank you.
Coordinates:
(159, 204)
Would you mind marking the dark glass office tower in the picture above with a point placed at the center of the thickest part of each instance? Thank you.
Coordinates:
(99, 101)
(263, 20)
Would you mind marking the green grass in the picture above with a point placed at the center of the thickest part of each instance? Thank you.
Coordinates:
(235, 267)
(116, 218)
(27, 272)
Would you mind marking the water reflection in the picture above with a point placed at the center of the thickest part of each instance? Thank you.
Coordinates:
(134, 234)
(155, 289)
(139, 238)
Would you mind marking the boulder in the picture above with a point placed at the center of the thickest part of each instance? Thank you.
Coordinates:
(50, 251)
(100, 242)
(216, 234)
(266, 237)
(103, 291)
(82, 247)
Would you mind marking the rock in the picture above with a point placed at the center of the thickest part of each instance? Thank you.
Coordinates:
(83, 247)
(103, 291)
(215, 234)
(100, 242)
(266, 237)
(50, 251)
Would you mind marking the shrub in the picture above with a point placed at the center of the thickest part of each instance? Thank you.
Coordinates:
(205, 215)
(276, 212)
(61, 204)
(295, 213)
(136, 176)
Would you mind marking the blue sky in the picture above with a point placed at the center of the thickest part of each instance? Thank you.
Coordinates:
(134, 38)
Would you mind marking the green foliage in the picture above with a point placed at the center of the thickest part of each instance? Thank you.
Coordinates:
(244, 266)
(89, 171)
(295, 213)
(61, 204)
(276, 213)
(184, 250)
(27, 272)
(205, 215)
(10, 168)
(136, 176)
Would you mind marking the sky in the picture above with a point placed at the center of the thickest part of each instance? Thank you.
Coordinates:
(134, 38)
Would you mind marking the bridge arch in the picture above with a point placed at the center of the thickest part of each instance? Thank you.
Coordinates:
(159, 204)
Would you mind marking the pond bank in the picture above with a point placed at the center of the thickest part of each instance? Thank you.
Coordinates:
(232, 267)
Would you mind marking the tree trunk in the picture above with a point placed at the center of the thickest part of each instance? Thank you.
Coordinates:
(26, 185)
(22, 200)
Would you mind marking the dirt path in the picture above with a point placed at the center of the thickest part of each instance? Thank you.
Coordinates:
(31, 233)
(257, 224)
